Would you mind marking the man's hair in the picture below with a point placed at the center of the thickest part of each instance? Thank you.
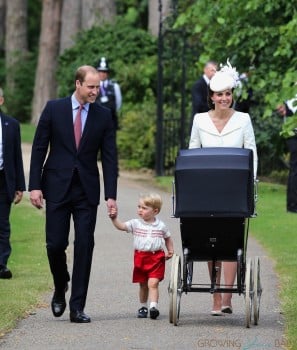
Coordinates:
(152, 200)
(211, 62)
(1, 92)
(82, 71)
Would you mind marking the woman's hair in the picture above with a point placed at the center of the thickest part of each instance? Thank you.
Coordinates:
(209, 96)
(152, 200)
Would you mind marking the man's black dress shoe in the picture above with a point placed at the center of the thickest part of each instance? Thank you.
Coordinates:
(5, 273)
(58, 303)
(79, 317)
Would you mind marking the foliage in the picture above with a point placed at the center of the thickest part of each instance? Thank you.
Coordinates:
(280, 177)
(135, 10)
(270, 146)
(131, 54)
(18, 104)
(259, 38)
(136, 138)
(289, 128)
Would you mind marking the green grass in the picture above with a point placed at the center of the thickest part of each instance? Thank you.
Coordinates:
(27, 132)
(29, 266)
(275, 230)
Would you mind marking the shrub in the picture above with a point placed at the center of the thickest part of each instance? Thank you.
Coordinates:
(136, 138)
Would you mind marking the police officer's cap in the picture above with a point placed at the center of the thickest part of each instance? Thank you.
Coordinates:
(103, 65)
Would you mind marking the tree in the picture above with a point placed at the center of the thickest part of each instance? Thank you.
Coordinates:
(2, 25)
(15, 39)
(154, 9)
(71, 23)
(97, 13)
(45, 86)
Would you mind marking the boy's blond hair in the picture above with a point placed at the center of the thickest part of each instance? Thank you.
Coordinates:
(152, 200)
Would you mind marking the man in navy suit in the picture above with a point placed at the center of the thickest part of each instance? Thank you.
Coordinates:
(12, 181)
(200, 89)
(66, 175)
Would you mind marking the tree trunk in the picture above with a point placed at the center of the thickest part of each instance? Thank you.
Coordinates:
(96, 13)
(71, 23)
(45, 80)
(2, 26)
(15, 38)
(154, 14)
(83, 14)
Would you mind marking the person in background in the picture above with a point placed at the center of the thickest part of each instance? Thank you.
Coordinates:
(64, 171)
(222, 126)
(287, 109)
(12, 181)
(150, 238)
(110, 95)
(200, 89)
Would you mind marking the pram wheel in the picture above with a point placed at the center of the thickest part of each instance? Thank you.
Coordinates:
(257, 290)
(170, 289)
(248, 292)
(176, 291)
(240, 271)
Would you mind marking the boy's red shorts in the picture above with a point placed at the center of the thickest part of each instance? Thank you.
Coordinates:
(148, 265)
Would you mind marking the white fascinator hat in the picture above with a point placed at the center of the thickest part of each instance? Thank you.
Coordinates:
(225, 78)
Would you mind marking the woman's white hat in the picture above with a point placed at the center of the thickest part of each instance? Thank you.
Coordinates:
(226, 78)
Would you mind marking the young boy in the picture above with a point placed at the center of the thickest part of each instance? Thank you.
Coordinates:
(150, 237)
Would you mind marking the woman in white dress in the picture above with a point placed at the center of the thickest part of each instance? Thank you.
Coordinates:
(222, 126)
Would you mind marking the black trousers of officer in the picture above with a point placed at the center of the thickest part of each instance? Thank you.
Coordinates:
(292, 179)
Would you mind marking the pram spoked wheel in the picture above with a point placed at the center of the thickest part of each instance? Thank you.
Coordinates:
(248, 292)
(175, 290)
(257, 290)
(253, 291)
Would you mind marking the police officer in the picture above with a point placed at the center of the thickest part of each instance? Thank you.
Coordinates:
(110, 93)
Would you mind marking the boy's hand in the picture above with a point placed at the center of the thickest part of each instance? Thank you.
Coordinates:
(169, 255)
(113, 213)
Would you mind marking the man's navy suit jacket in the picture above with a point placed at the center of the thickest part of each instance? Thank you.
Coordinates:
(12, 156)
(52, 173)
(199, 97)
